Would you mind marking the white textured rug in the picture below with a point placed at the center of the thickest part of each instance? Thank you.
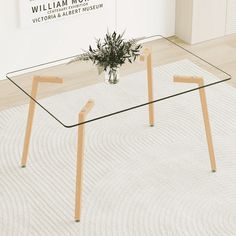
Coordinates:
(139, 181)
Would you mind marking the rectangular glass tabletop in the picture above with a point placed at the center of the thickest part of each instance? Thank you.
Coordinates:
(81, 83)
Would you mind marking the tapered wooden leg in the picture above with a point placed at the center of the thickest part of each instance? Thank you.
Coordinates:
(200, 82)
(79, 168)
(36, 81)
(80, 159)
(148, 57)
(29, 124)
(207, 129)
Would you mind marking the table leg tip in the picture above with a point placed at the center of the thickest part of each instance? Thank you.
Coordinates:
(77, 221)
(23, 166)
(151, 125)
(213, 171)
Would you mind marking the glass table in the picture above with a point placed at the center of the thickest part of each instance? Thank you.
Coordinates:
(74, 94)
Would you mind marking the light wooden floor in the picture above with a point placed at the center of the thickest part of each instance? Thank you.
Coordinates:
(220, 52)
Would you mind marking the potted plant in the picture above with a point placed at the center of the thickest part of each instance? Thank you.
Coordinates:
(110, 54)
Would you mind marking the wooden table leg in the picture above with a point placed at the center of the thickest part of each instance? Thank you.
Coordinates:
(208, 129)
(80, 159)
(147, 55)
(29, 123)
(36, 81)
(200, 82)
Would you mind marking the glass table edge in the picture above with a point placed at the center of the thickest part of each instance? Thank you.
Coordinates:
(229, 77)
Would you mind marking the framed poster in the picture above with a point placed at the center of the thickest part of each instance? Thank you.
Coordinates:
(34, 12)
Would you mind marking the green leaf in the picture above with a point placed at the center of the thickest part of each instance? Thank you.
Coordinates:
(113, 51)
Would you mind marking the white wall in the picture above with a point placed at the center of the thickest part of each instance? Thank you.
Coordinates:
(184, 19)
(231, 17)
(24, 47)
(146, 17)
